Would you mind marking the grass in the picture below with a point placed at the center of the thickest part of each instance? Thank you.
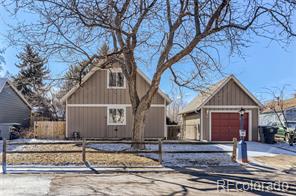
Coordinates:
(96, 159)
(278, 161)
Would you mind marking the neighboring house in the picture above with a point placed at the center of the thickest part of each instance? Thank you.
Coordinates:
(214, 115)
(100, 107)
(14, 108)
(268, 115)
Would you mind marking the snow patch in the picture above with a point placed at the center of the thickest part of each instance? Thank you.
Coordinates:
(178, 159)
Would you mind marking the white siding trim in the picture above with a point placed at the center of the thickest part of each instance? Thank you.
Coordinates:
(201, 125)
(18, 93)
(250, 126)
(164, 95)
(230, 111)
(164, 122)
(87, 76)
(230, 106)
(239, 84)
(107, 105)
(67, 121)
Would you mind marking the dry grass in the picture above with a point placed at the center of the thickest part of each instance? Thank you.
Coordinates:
(99, 159)
(278, 161)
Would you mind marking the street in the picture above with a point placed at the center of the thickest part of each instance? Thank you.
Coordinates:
(180, 182)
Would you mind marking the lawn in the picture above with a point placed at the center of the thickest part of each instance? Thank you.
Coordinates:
(120, 159)
(96, 159)
(181, 159)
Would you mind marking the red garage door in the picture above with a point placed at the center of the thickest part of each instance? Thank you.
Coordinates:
(225, 126)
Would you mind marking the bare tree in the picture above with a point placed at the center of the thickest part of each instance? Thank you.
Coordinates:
(177, 103)
(277, 104)
(190, 33)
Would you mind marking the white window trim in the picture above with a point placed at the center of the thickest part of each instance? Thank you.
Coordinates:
(115, 70)
(231, 111)
(116, 107)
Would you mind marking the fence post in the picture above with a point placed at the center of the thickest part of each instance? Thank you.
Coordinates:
(4, 157)
(83, 151)
(234, 149)
(160, 151)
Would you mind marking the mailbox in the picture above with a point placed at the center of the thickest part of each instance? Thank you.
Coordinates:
(242, 133)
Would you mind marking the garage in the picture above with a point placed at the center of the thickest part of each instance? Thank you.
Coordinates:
(216, 112)
(225, 125)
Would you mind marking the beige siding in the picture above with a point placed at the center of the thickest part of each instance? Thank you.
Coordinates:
(95, 91)
(206, 121)
(155, 122)
(231, 94)
(92, 122)
(205, 124)
(191, 126)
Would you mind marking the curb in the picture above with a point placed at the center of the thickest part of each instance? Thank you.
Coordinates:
(94, 170)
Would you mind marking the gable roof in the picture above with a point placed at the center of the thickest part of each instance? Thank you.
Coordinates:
(287, 104)
(95, 69)
(3, 81)
(199, 101)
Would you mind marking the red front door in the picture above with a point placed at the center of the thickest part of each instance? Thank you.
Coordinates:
(225, 126)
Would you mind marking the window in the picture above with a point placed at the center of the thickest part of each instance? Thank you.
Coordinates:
(115, 79)
(116, 116)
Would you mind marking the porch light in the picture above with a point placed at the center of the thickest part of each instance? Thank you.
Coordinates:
(242, 111)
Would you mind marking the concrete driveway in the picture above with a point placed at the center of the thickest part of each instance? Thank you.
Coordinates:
(278, 156)
(187, 181)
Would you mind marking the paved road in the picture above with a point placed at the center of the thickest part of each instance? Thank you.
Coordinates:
(184, 182)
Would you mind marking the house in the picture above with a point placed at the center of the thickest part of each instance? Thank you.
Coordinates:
(214, 114)
(100, 107)
(14, 108)
(272, 111)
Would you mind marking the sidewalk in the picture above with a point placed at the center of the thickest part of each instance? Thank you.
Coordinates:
(189, 181)
(81, 169)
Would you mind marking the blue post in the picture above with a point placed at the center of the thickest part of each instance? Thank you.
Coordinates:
(242, 145)
(4, 156)
(242, 152)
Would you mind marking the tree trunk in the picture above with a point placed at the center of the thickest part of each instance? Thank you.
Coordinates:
(138, 128)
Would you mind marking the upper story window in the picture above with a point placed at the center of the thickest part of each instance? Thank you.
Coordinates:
(115, 79)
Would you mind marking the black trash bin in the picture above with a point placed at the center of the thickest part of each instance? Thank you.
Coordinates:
(267, 134)
(261, 133)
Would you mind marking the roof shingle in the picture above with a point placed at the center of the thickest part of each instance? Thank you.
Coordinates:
(285, 104)
(2, 83)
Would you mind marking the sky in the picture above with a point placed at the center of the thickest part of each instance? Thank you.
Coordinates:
(265, 65)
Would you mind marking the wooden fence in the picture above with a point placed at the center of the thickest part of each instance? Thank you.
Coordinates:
(173, 131)
(84, 152)
(50, 129)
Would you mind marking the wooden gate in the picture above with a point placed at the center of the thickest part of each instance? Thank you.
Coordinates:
(50, 129)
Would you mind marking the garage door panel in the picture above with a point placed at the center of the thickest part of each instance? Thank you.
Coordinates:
(225, 126)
